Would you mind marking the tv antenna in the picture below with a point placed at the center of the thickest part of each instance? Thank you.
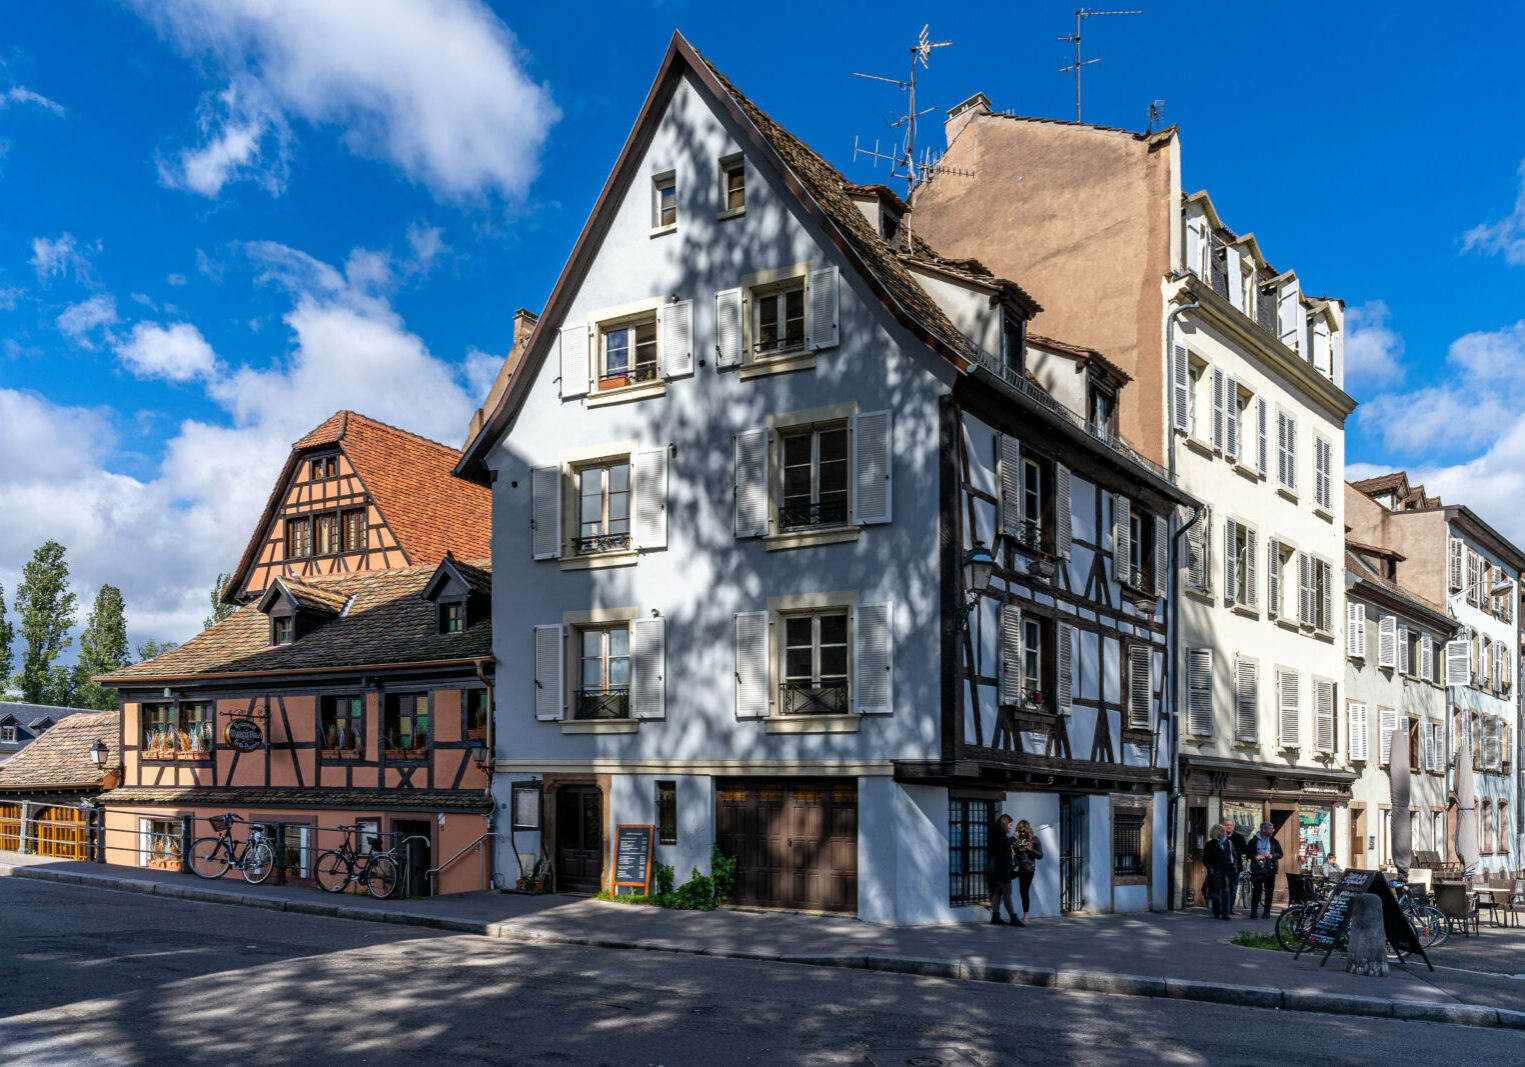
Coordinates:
(904, 164)
(1074, 38)
(1156, 114)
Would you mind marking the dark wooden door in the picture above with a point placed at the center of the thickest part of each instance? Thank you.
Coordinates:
(796, 842)
(580, 838)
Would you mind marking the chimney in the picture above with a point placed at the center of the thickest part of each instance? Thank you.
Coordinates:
(524, 326)
(962, 114)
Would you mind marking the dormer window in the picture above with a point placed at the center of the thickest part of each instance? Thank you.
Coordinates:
(8, 734)
(452, 617)
(324, 467)
(282, 632)
(1014, 344)
(1102, 408)
(889, 227)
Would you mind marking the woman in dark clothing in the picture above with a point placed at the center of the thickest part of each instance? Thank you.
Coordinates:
(1219, 858)
(1028, 850)
(999, 869)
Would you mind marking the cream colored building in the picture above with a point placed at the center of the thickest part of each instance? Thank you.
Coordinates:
(1237, 388)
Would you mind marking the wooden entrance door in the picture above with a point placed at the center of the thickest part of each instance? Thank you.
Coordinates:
(580, 838)
(795, 841)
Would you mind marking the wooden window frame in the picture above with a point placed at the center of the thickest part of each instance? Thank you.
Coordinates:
(817, 679)
(360, 530)
(605, 696)
(660, 184)
(733, 166)
(392, 721)
(636, 372)
(816, 508)
(299, 537)
(782, 290)
(469, 705)
(329, 717)
(283, 630)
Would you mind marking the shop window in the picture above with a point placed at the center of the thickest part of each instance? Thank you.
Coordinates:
(407, 726)
(667, 813)
(968, 850)
(159, 844)
(297, 848)
(1315, 836)
(183, 733)
(1128, 860)
(341, 723)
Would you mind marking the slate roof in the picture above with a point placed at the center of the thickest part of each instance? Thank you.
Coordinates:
(388, 622)
(60, 757)
(459, 800)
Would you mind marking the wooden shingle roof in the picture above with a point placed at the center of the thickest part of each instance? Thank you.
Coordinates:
(60, 757)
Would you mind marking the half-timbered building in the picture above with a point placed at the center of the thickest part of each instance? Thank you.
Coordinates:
(760, 430)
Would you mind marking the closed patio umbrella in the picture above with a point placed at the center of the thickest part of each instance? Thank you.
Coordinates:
(1398, 775)
(1466, 807)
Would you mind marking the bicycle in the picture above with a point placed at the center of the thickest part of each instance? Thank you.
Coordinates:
(1296, 921)
(374, 869)
(1429, 922)
(212, 856)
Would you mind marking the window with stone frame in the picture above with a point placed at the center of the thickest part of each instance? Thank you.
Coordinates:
(778, 317)
(603, 507)
(816, 469)
(603, 672)
(815, 663)
(628, 352)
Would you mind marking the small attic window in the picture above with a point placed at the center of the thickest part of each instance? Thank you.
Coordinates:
(889, 226)
(1014, 343)
(282, 630)
(324, 467)
(452, 617)
(664, 202)
(733, 186)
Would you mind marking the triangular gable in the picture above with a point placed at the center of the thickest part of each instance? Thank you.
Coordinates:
(464, 578)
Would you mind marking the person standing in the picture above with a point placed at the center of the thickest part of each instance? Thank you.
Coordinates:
(1241, 847)
(1029, 850)
(1265, 859)
(999, 869)
(1218, 856)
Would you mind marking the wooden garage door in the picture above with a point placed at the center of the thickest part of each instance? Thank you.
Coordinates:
(795, 840)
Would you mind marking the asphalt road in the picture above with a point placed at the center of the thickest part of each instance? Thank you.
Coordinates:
(89, 976)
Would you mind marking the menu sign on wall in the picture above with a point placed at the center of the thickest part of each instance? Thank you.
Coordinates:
(243, 735)
(632, 857)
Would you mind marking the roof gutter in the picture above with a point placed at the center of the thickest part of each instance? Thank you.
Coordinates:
(134, 681)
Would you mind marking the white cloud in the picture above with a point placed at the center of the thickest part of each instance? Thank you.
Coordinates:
(1373, 349)
(61, 256)
(78, 322)
(439, 88)
(20, 94)
(481, 371)
(9, 296)
(176, 353)
(175, 280)
(1505, 237)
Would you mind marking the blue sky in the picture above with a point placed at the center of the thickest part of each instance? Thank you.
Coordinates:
(222, 223)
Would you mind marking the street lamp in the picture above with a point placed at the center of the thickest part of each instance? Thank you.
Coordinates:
(979, 565)
(99, 752)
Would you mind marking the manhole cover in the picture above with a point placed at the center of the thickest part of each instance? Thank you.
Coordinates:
(920, 1057)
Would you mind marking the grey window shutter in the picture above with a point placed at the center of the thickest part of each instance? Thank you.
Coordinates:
(1453, 564)
(1251, 577)
(1323, 715)
(1387, 722)
(823, 308)
(648, 668)
(651, 498)
(1264, 451)
(1246, 700)
(1273, 578)
(1063, 536)
(549, 698)
(1140, 687)
(1161, 554)
(1199, 702)
(750, 518)
(1009, 682)
(1292, 454)
(728, 328)
(753, 692)
(675, 326)
(1230, 417)
(1305, 610)
(1122, 538)
(873, 658)
(1289, 705)
(574, 361)
(1231, 559)
(1217, 410)
(1066, 663)
(545, 512)
(1326, 596)
(1009, 483)
(1180, 386)
(1427, 658)
(871, 467)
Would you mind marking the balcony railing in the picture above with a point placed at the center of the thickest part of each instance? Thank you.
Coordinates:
(609, 702)
(587, 546)
(815, 698)
(1030, 535)
(807, 516)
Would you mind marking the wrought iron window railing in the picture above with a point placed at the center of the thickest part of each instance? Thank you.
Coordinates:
(1030, 535)
(807, 516)
(645, 372)
(607, 542)
(607, 702)
(812, 698)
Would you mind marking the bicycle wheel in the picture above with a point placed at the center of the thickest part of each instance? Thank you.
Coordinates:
(380, 877)
(1289, 928)
(258, 862)
(332, 871)
(209, 858)
(1430, 924)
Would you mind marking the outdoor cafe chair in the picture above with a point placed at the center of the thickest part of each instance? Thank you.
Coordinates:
(1458, 906)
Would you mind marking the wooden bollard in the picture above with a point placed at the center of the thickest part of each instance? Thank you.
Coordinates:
(1366, 942)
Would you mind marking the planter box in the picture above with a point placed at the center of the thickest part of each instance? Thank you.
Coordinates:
(407, 753)
(528, 885)
(342, 753)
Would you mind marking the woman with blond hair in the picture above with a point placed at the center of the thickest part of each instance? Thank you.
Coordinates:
(1028, 851)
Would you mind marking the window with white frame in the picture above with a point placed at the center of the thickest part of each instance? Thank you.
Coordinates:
(1199, 691)
(733, 185)
(8, 733)
(613, 503)
(1357, 731)
(817, 471)
(1355, 630)
(1281, 579)
(1323, 474)
(1246, 700)
(628, 352)
(815, 477)
(603, 507)
(814, 655)
(1194, 402)
(779, 318)
(1199, 541)
(603, 672)
(664, 201)
(159, 844)
(815, 667)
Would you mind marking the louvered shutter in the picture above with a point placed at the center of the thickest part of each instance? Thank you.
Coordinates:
(1231, 559)
(1288, 707)
(1122, 538)
(1063, 518)
(753, 694)
(1199, 699)
(1431, 758)
(1196, 247)
(1458, 663)
(750, 518)
(1506, 671)
(1403, 649)
(1355, 630)
(873, 658)
(1323, 456)
(1066, 663)
(1246, 700)
(1305, 609)
(545, 512)
(1140, 687)
(1453, 564)
(1235, 277)
(1357, 731)
(549, 698)
(1324, 590)
(648, 668)
(1251, 577)
(1492, 758)
(1323, 715)
(1263, 452)
(574, 361)
(1292, 454)
(1161, 553)
(1196, 545)
(1180, 385)
(675, 327)
(823, 308)
(1427, 658)
(1009, 482)
(1218, 404)
(651, 498)
(1231, 418)
(1289, 316)
(728, 328)
(1387, 722)
(871, 467)
(1009, 683)
(1387, 642)
(1273, 578)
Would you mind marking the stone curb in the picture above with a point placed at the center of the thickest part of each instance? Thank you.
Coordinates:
(963, 970)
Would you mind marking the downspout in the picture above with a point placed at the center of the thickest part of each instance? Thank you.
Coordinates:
(481, 665)
(1177, 799)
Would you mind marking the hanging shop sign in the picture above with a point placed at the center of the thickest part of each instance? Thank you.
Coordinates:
(243, 735)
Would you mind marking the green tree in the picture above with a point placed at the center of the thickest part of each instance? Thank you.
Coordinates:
(148, 650)
(220, 610)
(102, 649)
(7, 636)
(46, 610)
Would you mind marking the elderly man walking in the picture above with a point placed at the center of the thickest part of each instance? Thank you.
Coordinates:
(1232, 835)
(1265, 858)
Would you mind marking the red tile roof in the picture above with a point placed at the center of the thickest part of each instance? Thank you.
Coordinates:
(60, 757)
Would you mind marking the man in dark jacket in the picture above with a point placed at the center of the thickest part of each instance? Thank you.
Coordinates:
(1241, 848)
(1264, 854)
(1218, 858)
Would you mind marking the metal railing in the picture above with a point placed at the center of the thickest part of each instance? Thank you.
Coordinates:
(607, 542)
(815, 698)
(608, 702)
(806, 516)
(481, 860)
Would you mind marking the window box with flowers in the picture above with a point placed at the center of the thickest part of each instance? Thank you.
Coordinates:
(408, 727)
(341, 728)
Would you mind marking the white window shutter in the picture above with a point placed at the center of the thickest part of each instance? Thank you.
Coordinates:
(1140, 687)
(650, 470)
(648, 668)
(871, 467)
(750, 517)
(1292, 454)
(1217, 410)
(1161, 554)
(1010, 676)
(1273, 578)
(1289, 317)
(1196, 240)
(549, 696)
(1246, 700)
(1063, 528)
(1404, 666)
(1387, 642)
(1323, 715)
(873, 658)
(1431, 752)
(1352, 635)
(1180, 386)
(1251, 578)
(1197, 535)
(1306, 609)
(1009, 482)
(1233, 270)
(574, 361)
(1357, 731)
(1199, 681)
(1231, 560)
(1427, 658)
(1387, 722)
(1066, 663)
(1230, 418)
(753, 693)
(1263, 452)
(1453, 564)
(1289, 707)
(823, 308)
(728, 328)
(545, 512)
(1122, 538)
(675, 327)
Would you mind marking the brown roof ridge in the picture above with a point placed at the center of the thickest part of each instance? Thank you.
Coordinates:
(343, 417)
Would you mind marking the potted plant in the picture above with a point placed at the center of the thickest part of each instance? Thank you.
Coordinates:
(534, 882)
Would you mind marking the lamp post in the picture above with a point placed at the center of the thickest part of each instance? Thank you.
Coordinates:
(979, 565)
(99, 752)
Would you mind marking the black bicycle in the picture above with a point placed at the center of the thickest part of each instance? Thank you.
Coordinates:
(374, 869)
(212, 856)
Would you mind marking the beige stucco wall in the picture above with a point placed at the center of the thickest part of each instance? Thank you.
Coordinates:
(1418, 535)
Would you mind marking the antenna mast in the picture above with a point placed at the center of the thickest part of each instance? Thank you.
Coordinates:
(1075, 39)
(903, 164)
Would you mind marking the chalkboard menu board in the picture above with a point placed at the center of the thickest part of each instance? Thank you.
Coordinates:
(632, 856)
(1333, 922)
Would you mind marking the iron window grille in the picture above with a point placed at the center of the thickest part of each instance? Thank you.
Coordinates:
(968, 850)
(604, 542)
(815, 664)
(807, 698)
(667, 813)
(605, 702)
(1128, 844)
(603, 509)
(781, 320)
(805, 516)
(815, 477)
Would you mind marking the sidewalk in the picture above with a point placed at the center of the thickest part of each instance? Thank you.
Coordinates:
(1180, 954)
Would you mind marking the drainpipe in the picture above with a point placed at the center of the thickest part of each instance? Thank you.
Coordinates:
(1175, 812)
(481, 666)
